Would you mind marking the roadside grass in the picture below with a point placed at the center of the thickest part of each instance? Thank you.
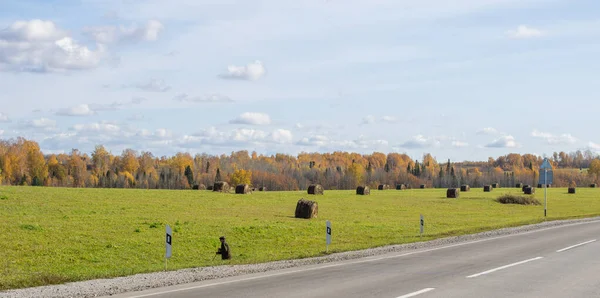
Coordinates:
(57, 235)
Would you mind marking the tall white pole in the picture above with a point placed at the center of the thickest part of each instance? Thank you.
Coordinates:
(545, 191)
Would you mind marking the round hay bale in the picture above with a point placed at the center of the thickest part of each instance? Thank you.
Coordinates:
(571, 190)
(452, 193)
(262, 188)
(199, 187)
(495, 185)
(383, 187)
(243, 189)
(529, 190)
(363, 190)
(540, 185)
(306, 209)
(422, 186)
(221, 186)
(400, 187)
(487, 188)
(593, 185)
(315, 189)
(519, 185)
(210, 187)
(465, 187)
(524, 187)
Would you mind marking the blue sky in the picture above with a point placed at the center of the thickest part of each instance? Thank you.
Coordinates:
(462, 79)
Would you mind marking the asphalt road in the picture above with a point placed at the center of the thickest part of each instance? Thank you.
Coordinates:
(556, 262)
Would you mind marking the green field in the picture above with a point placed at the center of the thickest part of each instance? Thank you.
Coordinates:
(55, 235)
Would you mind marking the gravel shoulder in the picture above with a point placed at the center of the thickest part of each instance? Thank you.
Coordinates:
(138, 282)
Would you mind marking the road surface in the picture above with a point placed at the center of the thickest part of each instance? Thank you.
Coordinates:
(562, 261)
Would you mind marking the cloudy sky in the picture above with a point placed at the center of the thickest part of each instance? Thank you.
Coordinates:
(461, 79)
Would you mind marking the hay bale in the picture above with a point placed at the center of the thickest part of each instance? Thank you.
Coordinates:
(262, 188)
(306, 209)
(363, 190)
(400, 187)
(572, 190)
(465, 188)
(315, 189)
(452, 193)
(495, 185)
(210, 187)
(529, 190)
(487, 188)
(593, 185)
(221, 186)
(243, 189)
(199, 187)
(519, 185)
(539, 185)
(383, 187)
(524, 187)
(422, 186)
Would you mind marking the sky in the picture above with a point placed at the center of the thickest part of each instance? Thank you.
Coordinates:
(461, 79)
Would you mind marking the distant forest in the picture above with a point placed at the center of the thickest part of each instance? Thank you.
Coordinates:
(23, 163)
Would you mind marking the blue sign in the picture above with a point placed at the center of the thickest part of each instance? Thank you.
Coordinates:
(546, 177)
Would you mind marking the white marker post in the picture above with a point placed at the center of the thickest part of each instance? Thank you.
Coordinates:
(169, 238)
(328, 235)
(548, 179)
(422, 224)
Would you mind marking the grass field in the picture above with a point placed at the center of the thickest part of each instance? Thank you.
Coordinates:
(55, 235)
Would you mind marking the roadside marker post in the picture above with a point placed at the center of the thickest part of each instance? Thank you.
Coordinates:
(422, 225)
(328, 235)
(169, 240)
(546, 178)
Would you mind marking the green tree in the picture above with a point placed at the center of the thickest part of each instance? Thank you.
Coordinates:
(189, 174)
(218, 175)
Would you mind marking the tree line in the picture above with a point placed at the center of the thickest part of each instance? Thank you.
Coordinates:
(23, 163)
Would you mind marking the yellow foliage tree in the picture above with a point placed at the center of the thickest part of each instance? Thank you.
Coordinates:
(241, 177)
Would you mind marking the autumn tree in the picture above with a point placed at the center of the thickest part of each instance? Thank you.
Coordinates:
(594, 169)
(241, 177)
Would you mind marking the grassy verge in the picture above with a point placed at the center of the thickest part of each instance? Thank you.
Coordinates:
(55, 235)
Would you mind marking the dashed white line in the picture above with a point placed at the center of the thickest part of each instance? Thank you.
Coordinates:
(504, 267)
(413, 294)
(576, 245)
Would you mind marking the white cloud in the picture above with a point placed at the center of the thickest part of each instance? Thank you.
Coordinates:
(39, 46)
(4, 118)
(252, 71)
(236, 138)
(594, 146)
(389, 119)
(420, 141)
(203, 99)
(317, 140)
(282, 136)
(369, 119)
(44, 124)
(552, 139)
(326, 143)
(106, 128)
(105, 107)
(79, 110)
(121, 34)
(154, 85)
(503, 142)
(460, 144)
(487, 131)
(252, 119)
(524, 32)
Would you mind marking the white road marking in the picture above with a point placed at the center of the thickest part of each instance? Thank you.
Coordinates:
(576, 245)
(368, 259)
(504, 267)
(413, 294)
